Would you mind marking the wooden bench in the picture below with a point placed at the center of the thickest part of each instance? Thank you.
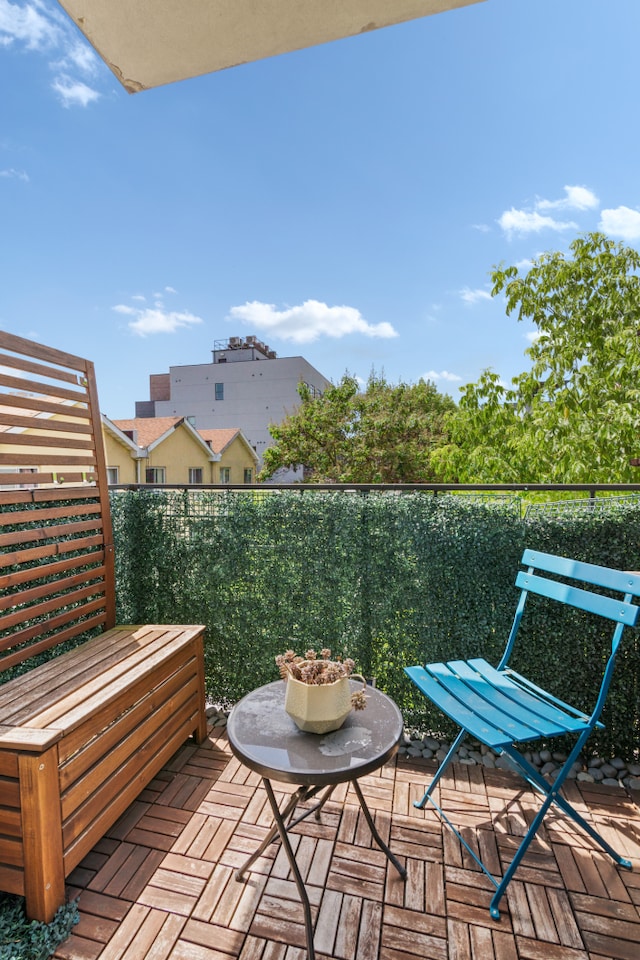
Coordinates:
(82, 733)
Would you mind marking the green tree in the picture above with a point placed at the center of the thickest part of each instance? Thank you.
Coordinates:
(384, 434)
(574, 416)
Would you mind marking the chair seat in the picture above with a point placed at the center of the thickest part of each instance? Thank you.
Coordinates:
(497, 707)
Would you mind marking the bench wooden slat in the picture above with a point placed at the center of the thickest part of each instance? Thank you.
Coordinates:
(77, 754)
(70, 708)
(81, 789)
(123, 789)
(80, 662)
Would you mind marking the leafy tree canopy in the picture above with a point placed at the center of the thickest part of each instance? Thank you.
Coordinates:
(574, 416)
(383, 434)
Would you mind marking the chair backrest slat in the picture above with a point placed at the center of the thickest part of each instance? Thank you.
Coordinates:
(56, 546)
(620, 580)
(609, 607)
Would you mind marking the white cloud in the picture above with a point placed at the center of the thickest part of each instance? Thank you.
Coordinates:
(530, 221)
(74, 92)
(482, 227)
(29, 24)
(15, 174)
(151, 320)
(39, 27)
(621, 222)
(308, 321)
(577, 198)
(532, 336)
(443, 375)
(474, 296)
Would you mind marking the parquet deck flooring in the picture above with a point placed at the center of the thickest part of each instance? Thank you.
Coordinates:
(161, 885)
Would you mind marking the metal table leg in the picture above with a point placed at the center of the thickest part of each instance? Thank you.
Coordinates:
(374, 833)
(284, 820)
(284, 837)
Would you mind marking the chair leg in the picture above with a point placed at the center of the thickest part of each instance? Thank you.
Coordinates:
(552, 795)
(420, 804)
(552, 791)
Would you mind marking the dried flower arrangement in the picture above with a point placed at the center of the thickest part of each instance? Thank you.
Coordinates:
(315, 671)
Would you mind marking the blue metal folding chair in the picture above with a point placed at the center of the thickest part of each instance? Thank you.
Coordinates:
(501, 708)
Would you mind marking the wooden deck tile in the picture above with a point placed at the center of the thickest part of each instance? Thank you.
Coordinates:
(161, 885)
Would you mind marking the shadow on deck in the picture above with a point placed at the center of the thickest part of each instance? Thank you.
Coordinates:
(161, 884)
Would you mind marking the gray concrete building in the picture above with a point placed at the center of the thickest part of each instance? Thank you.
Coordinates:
(246, 386)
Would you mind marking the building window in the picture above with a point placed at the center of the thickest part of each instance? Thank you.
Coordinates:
(219, 391)
(225, 474)
(248, 475)
(154, 475)
(195, 474)
(113, 474)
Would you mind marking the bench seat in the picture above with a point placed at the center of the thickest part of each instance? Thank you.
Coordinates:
(81, 736)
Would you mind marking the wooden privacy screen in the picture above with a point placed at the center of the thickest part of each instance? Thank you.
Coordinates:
(56, 548)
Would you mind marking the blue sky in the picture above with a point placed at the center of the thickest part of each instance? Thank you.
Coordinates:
(345, 202)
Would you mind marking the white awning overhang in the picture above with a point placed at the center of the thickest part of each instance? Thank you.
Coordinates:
(147, 43)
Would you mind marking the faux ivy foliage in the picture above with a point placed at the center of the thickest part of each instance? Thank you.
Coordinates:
(388, 579)
(22, 939)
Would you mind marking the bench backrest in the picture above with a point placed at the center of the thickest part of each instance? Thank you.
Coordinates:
(56, 545)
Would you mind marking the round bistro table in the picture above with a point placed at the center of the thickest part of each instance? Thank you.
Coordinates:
(265, 739)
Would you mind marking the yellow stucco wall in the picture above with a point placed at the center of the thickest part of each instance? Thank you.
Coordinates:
(118, 456)
(238, 459)
(177, 453)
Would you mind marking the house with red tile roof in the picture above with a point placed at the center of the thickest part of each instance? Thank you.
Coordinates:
(171, 450)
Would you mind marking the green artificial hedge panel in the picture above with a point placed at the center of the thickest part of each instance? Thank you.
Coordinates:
(389, 579)
(22, 939)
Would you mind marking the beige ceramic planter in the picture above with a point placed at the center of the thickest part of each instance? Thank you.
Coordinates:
(319, 708)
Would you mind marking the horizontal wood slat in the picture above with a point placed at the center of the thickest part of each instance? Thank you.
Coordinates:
(46, 459)
(42, 514)
(24, 402)
(59, 602)
(53, 549)
(49, 533)
(41, 423)
(64, 626)
(43, 590)
(39, 351)
(52, 569)
(44, 389)
(110, 761)
(54, 373)
(124, 787)
(37, 440)
(30, 483)
(149, 659)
